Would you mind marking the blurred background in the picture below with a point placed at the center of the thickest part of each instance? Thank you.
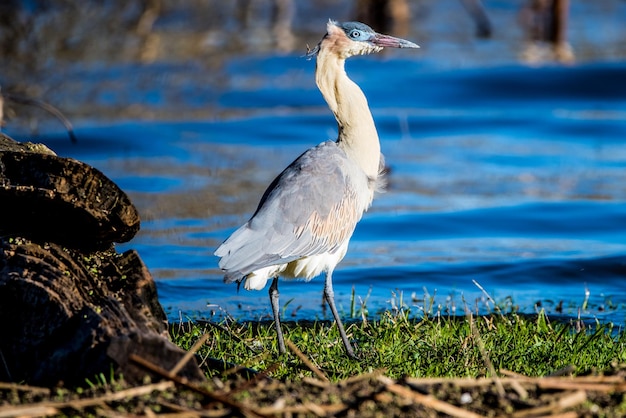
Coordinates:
(56, 50)
(504, 134)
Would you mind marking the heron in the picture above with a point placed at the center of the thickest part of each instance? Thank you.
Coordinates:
(306, 217)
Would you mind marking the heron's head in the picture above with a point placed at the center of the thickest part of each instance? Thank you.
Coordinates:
(355, 38)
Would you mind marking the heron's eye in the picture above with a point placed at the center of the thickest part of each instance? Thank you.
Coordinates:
(355, 34)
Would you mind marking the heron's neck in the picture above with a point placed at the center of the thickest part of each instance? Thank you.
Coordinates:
(357, 132)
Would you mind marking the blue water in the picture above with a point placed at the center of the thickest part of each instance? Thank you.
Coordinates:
(509, 177)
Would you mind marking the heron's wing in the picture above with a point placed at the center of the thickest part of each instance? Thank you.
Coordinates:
(311, 208)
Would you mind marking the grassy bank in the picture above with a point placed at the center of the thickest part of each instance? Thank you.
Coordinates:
(433, 347)
(468, 366)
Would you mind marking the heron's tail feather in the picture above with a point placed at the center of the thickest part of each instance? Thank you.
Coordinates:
(243, 253)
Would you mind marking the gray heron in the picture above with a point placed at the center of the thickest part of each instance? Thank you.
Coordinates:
(304, 221)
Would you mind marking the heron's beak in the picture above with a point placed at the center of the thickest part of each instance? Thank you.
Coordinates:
(387, 41)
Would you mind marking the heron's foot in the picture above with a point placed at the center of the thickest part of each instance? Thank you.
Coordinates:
(352, 355)
(347, 345)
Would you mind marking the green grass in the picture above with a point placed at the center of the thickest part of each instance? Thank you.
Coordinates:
(405, 346)
(434, 346)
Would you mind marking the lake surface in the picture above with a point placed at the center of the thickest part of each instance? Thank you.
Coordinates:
(507, 176)
(502, 175)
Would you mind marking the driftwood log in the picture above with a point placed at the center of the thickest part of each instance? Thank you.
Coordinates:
(71, 307)
(60, 199)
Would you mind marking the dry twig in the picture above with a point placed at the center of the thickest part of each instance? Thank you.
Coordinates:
(51, 408)
(308, 363)
(183, 382)
(189, 354)
(427, 400)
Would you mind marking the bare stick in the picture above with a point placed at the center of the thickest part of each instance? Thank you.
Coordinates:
(483, 352)
(308, 363)
(47, 408)
(189, 354)
(427, 401)
(184, 382)
(48, 108)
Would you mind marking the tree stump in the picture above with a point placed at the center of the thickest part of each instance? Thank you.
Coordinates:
(71, 307)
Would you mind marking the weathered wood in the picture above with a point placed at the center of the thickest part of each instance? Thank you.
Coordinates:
(9, 144)
(65, 314)
(71, 307)
(62, 200)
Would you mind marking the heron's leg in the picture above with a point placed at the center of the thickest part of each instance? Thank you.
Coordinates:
(329, 294)
(276, 312)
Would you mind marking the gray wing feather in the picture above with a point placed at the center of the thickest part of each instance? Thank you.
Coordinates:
(308, 209)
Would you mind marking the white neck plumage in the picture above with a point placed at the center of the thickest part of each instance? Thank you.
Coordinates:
(357, 133)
